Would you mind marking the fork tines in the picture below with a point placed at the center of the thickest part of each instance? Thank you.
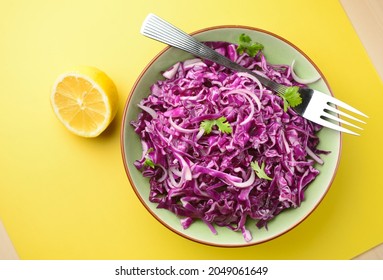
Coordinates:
(331, 112)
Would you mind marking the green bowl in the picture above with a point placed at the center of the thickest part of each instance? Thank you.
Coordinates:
(277, 51)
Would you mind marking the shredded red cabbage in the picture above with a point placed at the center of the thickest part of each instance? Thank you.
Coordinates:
(209, 176)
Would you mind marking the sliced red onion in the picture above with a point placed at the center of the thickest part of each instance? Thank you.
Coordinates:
(169, 74)
(190, 63)
(186, 172)
(247, 183)
(314, 156)
(164, 175)
(149, 110)
(301, 80)
(246, 234)
(254, 79)
(181, 129)
(246, 94)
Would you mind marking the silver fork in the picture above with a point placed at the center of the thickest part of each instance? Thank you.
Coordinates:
(316, 106)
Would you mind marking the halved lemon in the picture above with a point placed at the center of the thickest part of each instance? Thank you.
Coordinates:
(85, 101)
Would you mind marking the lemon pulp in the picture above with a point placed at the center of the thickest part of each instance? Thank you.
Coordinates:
(85, 101)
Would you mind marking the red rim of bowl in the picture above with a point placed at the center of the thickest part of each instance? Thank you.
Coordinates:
(122, 141)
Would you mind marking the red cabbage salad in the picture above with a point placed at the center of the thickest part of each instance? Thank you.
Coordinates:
(219, 147)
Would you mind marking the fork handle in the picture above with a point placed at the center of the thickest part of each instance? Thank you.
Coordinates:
(158, 29)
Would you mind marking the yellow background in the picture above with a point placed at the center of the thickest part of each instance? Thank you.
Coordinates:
(66, 197)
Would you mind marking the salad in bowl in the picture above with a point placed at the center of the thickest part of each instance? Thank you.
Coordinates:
(219, 158)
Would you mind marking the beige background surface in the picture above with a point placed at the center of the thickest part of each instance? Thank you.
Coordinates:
(7, 251)
(367, 18)
(375, 253)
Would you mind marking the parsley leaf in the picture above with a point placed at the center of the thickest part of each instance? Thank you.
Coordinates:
(260, 171)
(148, 161)
(221, 123)
(207, 125)
(245, 45)
(291, 97)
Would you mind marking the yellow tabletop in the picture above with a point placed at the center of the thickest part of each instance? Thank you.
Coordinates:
(67, 197)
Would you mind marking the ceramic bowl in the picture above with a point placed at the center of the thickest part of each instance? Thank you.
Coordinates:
(278, 51)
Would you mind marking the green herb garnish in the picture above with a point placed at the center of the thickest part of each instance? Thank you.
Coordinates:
(291, 97)
(260, 171)
(245, 45)
(221, 123)
(148, 161)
